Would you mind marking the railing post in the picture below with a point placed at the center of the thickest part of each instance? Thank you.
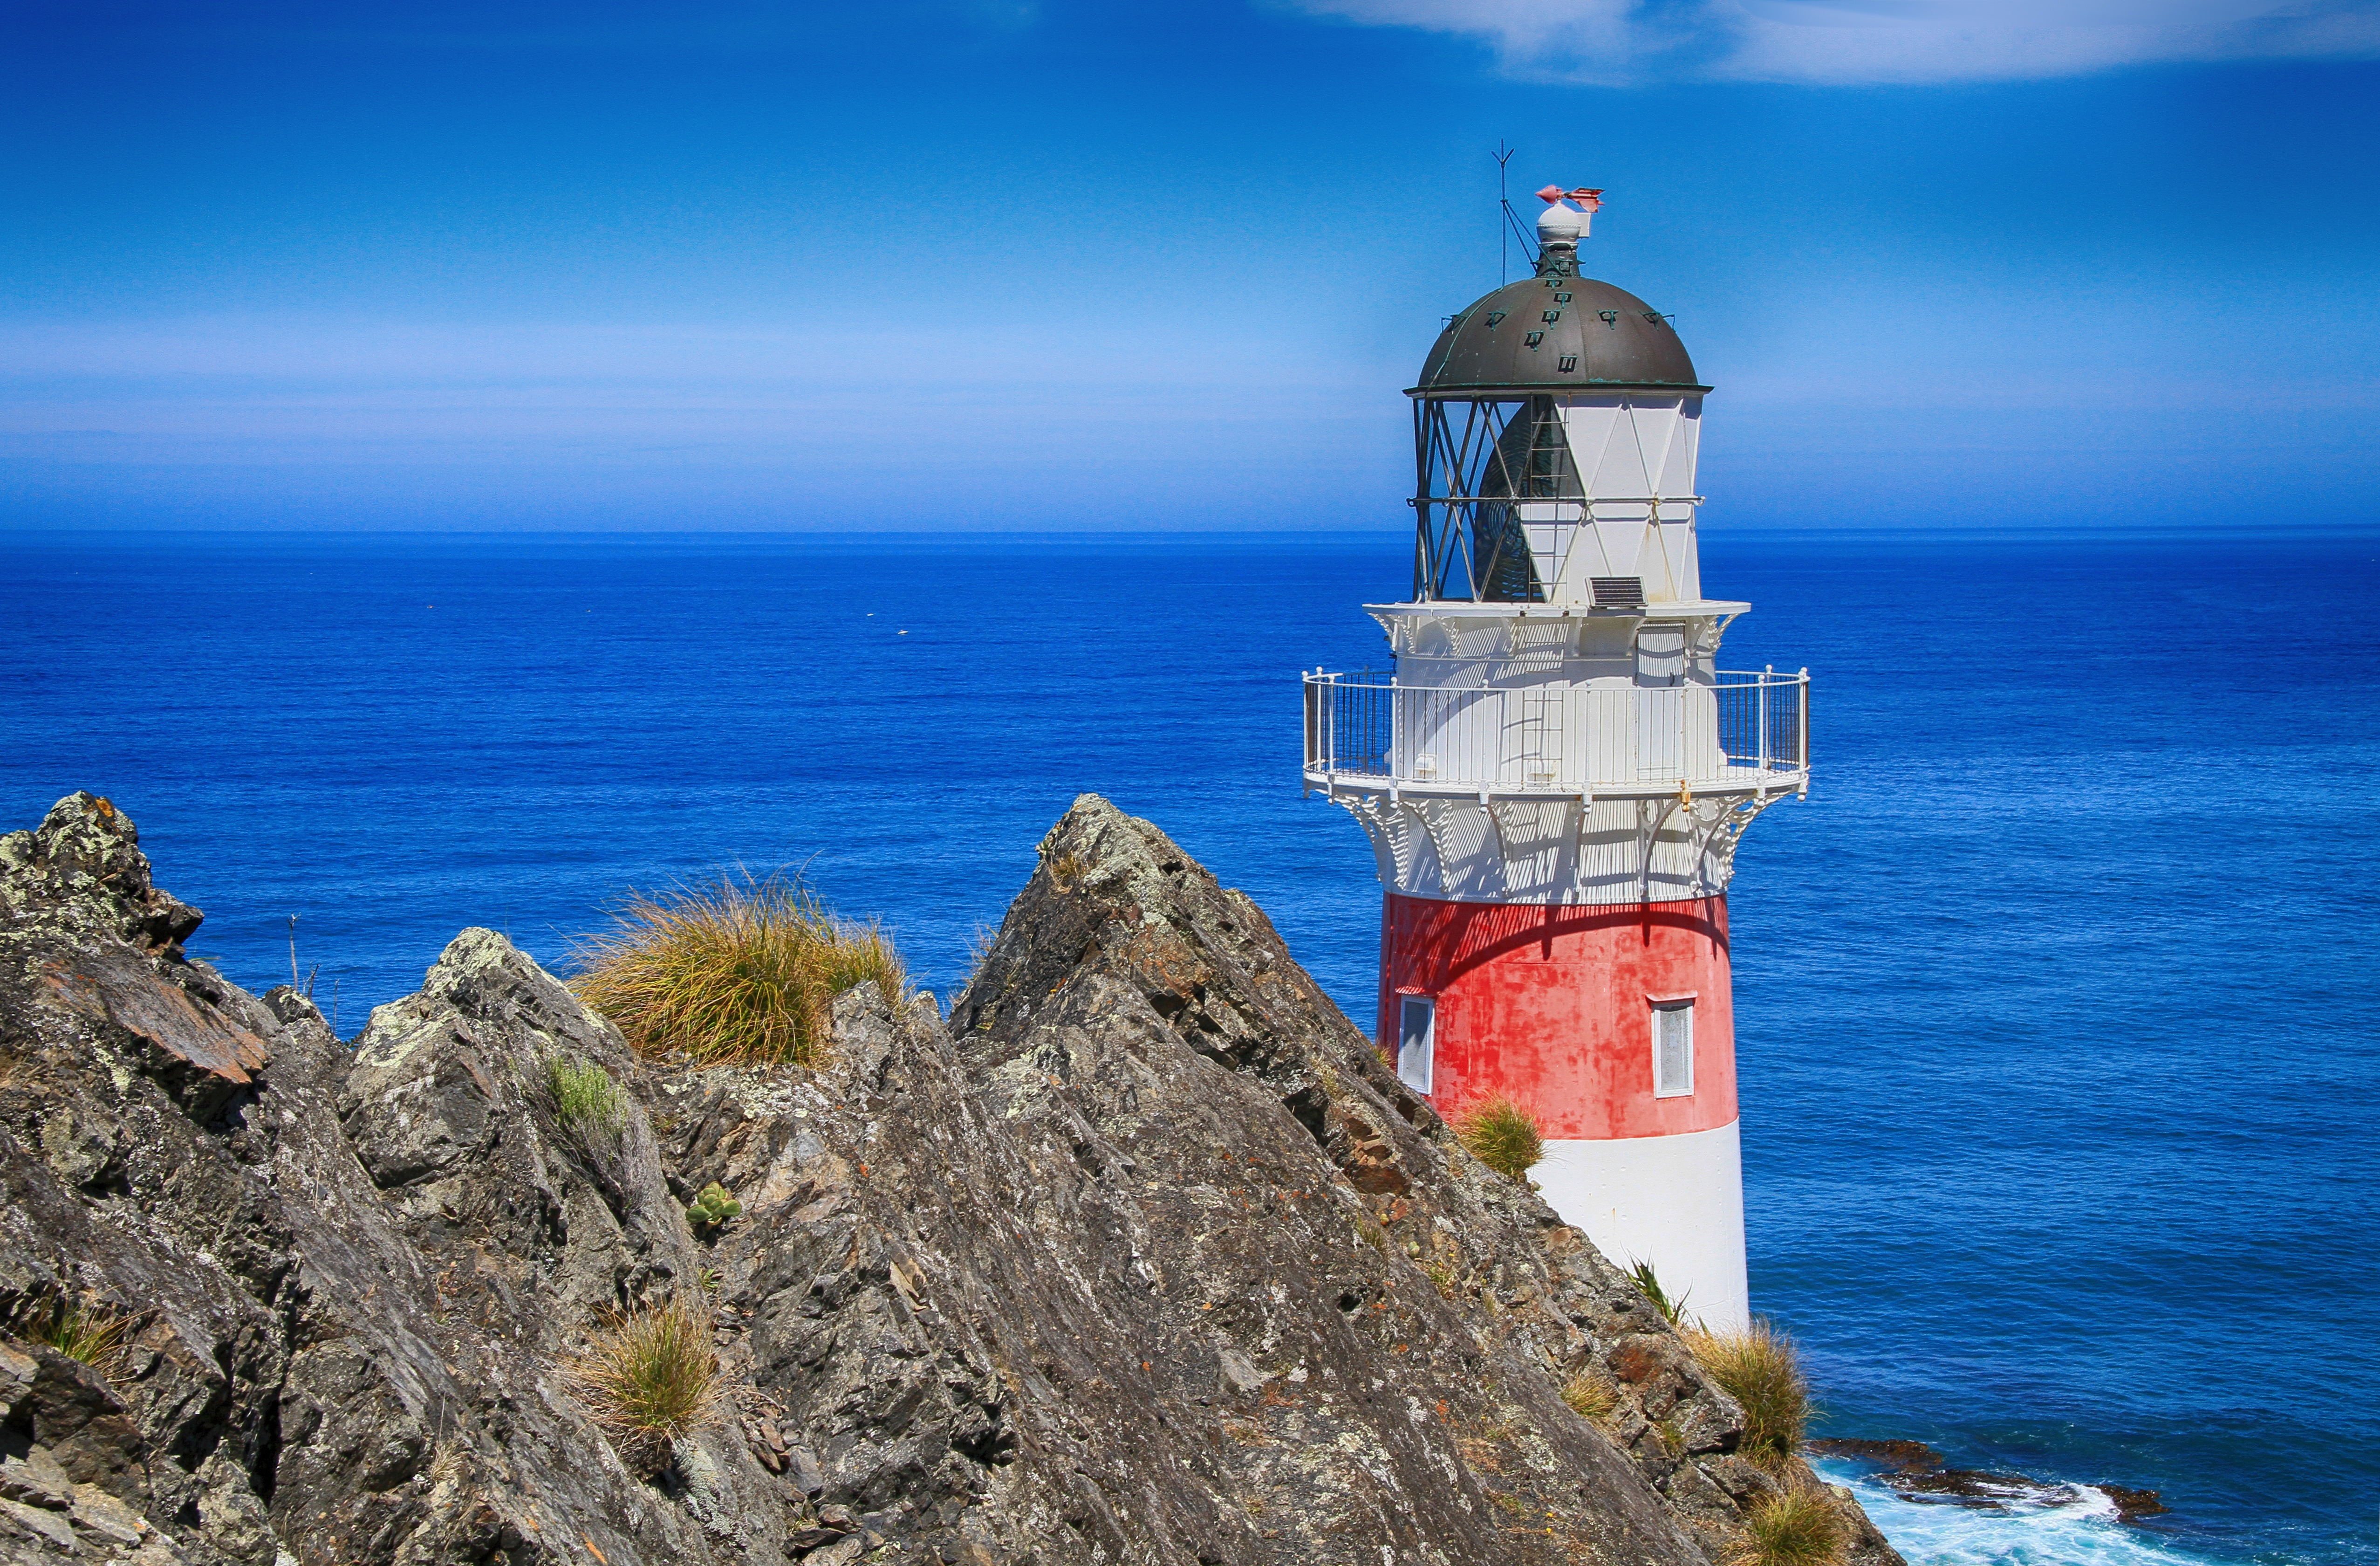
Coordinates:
(1767, 671)
(1804, 704)
(1326, 731)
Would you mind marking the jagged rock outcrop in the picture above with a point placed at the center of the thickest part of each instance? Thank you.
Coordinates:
(1144, 1258)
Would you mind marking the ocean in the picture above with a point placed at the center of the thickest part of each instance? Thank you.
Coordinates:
(2055, 1015)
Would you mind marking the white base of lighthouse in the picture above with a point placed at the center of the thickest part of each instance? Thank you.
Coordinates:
(1676, 1201)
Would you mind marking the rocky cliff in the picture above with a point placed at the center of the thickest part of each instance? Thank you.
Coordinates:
(1144, 1257)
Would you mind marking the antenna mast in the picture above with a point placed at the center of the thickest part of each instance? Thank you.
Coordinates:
(1505, 233)
(1512, 229)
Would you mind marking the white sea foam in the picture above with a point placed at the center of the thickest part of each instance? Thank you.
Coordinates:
(2054, 1526)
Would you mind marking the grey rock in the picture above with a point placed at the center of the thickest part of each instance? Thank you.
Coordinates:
(99, 1514)
(38, 1525)
(37, 1480)
(1143, 1256)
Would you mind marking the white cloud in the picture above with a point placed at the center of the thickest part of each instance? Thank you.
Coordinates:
(1846, 41)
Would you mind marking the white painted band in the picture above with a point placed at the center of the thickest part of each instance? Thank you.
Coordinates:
(1674, 1201)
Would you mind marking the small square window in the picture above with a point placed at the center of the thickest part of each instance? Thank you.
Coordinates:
(1536, 337)
(1417, 1041)
(1673, 1049)
(1562, 298)
(1494, 316)
(1552, 316)
(1569, 362)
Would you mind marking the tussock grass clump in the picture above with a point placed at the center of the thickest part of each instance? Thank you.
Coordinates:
(1502, 1136)
(1591, 1395)
(584, 1097)
(81, 1330)
(1803, 1526)
(1646, 1278)
(1759, 1368)
(735, 972)
(649, 1377)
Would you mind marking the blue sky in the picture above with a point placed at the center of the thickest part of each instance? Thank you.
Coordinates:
(987, 263)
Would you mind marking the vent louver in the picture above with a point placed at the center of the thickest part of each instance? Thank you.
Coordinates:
(1618, 592)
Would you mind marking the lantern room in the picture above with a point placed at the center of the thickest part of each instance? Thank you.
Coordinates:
(1555, 429)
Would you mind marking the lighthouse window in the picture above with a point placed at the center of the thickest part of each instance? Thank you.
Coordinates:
(1536, 337)
(1673, 1050)
(1494, 316)
(1552, 316)
(1417, 1041)
(1562, 298)
(1569, 362)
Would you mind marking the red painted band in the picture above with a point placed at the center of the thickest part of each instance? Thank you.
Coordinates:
(1553, 1006)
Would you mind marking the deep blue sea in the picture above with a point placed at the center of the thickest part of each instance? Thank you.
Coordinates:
(2056, 1002)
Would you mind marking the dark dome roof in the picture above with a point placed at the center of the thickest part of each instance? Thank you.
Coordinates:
(1609, 338)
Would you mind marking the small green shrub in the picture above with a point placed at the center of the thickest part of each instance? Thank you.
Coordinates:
(738, 972)
(1502, 1136)
(584, 1097)
(712, 1206)
(1591, 1395)
(1672, 1311)
(650, 1377)
(80, 1329)
(1803, 1526)
(1759, 1369)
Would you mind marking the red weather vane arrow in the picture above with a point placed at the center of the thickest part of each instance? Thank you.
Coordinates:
(1587, 197)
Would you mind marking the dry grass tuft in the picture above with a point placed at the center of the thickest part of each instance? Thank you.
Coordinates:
(1591, 1395)
(1502, 1136)
(1760, 1370)
(736, 973)
(1803, 1526)
(986, 936)
(81, 1330)
(650, 1377)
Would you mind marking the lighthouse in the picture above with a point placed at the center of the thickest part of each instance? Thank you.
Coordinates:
(1557, 775)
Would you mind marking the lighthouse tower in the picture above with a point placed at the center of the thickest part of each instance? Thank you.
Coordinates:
(1557, 775)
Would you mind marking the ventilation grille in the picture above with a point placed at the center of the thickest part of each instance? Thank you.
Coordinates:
(1618, 591)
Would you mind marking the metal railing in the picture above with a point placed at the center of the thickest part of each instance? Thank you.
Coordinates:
(1744, 731)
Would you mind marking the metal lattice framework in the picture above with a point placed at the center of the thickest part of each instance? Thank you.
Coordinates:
(1474, 459)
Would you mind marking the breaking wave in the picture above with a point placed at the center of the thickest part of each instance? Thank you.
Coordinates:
(2035, 1525)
